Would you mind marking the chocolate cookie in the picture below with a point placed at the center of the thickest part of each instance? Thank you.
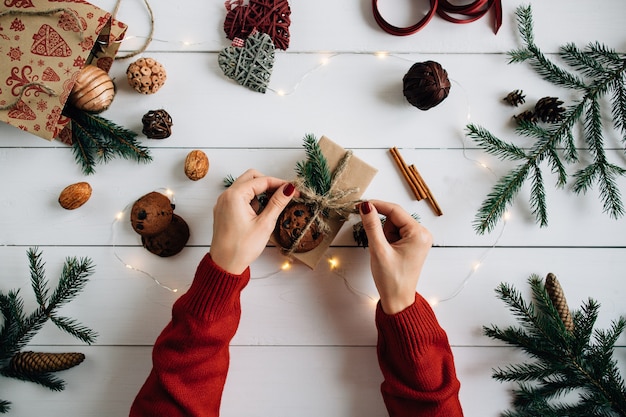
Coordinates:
(151, 214)
(290, 224)
(170, 241)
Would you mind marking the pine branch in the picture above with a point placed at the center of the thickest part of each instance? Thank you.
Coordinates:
(314, 170)
(555, 144)
(5, 406)
(580, 361)
(74, 328)
(18, 329)
(37, 276)
(96, 139)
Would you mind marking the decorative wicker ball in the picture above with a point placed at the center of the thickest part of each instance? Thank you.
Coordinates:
(157, 124)
(146, 75)
(426, 84)
(93, 90)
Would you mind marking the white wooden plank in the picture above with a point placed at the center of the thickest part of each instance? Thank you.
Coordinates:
(356, 99)
(32, 215)
(277, 381)
(322, 307)
(325, 25)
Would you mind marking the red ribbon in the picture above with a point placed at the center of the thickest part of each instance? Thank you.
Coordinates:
(471, 12)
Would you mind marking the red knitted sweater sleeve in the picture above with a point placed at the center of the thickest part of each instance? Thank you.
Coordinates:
(417, 363)
(191, 356)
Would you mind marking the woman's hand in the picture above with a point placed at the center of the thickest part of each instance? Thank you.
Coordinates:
(239, 233)
(398, 251)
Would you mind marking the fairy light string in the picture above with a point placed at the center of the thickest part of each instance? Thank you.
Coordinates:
(286, 265)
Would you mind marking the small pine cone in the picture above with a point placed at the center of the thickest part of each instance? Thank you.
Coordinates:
(555, 291)
(40, 362)
(527, 116)
(515, 98)
(549, 110)
(358, 233)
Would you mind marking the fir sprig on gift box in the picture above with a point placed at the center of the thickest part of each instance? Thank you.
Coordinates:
(314, 169)
(18, 328)
(96, 139)
(570, 357)
(601, 72)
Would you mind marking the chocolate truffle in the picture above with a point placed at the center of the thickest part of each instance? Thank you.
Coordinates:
(151, 214)
(289, 227)
(170, 241)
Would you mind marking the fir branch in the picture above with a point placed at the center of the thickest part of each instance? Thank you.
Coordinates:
(18, 328)
(314, 170)
(74, 277)
(97, 139)
(555, 144)
(74, 328)
(37, 276)
(229, 180)
(5, 406)
(581, 361)
(46, 379)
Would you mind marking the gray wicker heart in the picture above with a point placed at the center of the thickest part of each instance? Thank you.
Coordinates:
(251, 64)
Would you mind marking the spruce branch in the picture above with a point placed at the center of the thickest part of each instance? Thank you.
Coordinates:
(314, 170)
(17, 328)
(580, 361)
(96, 139)
(602, 73)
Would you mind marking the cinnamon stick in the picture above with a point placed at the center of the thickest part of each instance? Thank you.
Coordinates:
(406, 173)
(430, 197)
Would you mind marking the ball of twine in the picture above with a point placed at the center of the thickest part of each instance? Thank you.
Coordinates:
(426, 84)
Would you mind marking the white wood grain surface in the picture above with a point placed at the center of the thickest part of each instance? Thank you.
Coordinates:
(306, 344)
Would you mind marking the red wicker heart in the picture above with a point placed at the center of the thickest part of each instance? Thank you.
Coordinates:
(267, 16)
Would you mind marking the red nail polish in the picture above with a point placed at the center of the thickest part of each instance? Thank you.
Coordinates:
(365, 207)
(288, 190)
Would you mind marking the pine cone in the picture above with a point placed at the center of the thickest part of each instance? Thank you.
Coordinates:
(515, 98)
(555, 291)
(527, 116)
(40, 362)
(358, 233)
(549, 110)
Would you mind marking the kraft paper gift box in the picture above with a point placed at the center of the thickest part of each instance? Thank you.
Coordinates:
(43, 46)
(358, 175)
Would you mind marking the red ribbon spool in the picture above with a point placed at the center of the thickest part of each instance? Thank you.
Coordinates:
(471, 12)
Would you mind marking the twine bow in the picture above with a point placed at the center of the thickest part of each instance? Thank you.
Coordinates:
(323, 205)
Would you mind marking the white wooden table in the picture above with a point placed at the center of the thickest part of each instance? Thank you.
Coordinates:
(306, 344)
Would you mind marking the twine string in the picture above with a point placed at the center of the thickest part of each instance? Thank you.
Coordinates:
(322, 205)
(150, 34)
(24, 89)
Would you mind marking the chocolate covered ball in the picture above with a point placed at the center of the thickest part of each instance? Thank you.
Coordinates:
(151, 214)
(290, 225)
(426, 84)
(170, 241)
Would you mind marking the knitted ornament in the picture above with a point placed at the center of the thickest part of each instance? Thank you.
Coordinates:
(426, 84)
(146, 75)
(267, 16)
(249, 63)
(157, 124)
(41, 363)
(93, 90)
(555, 291)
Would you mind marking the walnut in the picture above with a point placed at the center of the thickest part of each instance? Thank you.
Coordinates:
(196, 165)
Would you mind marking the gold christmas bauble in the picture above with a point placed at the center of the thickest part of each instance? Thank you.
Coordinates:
(93, 91)
(146, 75)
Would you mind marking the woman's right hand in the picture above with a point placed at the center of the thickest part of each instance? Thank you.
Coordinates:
(398, 251)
